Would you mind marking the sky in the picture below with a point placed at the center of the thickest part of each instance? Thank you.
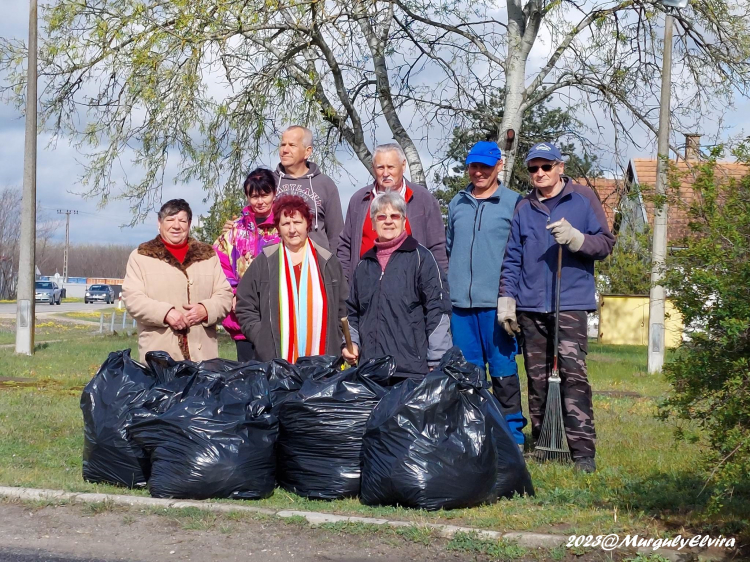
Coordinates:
(59, 166)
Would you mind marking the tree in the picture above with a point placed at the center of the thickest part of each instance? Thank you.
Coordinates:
(222, 209)
(87, 260)
(709, 283)
(210, 82)
(540, 124)
(10, 234)
(627, 271)
(10, 229)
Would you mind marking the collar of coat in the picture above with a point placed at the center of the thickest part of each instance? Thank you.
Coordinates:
(567, 188)
(369, 189)
(323, 254)
(197, 251)
(408, 245)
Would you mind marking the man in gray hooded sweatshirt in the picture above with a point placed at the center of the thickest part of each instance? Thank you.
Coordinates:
(298, 176)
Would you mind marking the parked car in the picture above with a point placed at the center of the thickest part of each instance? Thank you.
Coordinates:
(99, 293)
(47, 291)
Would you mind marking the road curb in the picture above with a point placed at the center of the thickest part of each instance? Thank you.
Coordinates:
(524, 539)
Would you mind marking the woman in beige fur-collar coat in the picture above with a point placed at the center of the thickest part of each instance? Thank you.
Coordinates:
(175, 289)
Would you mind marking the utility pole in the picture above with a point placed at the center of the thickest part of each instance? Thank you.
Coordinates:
(67, 214)
(657, 297)
(25, 308)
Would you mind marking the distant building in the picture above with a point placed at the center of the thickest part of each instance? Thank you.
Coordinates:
(635, 211)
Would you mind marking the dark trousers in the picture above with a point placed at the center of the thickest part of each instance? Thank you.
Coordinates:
(245, 351)
(538, 353)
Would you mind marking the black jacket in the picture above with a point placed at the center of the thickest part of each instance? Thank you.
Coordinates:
(258, 302)
(403, 311)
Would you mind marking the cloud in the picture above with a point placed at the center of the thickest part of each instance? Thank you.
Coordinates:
(59, 168)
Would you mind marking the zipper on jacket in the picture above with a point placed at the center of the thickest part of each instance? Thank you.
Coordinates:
(471, 254)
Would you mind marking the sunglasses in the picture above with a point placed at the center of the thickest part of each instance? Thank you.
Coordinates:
(383, 218)
(544, 167)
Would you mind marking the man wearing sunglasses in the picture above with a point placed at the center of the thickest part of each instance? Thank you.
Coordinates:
(479, 220)
(556, 212)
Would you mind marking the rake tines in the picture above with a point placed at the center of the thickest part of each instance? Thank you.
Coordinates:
(552, 444)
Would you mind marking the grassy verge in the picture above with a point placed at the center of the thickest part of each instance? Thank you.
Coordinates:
(95, 314)
(46, 331)
(646, 482)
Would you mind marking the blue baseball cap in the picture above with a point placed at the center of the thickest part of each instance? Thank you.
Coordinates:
(484, 152)
(545, 150)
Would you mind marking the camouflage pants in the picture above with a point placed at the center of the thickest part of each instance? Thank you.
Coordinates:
(538, 342)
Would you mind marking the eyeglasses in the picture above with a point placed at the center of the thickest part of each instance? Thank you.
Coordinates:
(544, 167)
(383, 218)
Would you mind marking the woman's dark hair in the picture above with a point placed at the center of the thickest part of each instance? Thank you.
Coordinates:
(174, 206)
(260, 181)
(290, 204)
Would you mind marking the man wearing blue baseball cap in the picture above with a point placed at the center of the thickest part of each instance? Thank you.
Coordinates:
(479, 219)
(557, 212)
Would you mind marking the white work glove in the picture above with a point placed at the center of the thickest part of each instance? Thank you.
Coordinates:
(566, 235)
(506, 315)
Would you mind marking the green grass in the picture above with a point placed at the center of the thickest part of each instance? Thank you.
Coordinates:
(94, 314)
(46, 330)
(646, 482)
(497, 550)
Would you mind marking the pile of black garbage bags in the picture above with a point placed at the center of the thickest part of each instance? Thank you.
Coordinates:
(222, 429)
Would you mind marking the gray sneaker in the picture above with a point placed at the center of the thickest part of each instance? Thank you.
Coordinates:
(585, 464)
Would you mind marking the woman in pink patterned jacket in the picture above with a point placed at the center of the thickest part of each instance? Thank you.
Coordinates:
(238, 246)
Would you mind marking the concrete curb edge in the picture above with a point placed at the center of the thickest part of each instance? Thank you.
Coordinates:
(521, 538)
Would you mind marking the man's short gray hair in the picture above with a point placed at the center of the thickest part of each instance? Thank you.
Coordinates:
(388, 198)
(307, 135)
(388, 147)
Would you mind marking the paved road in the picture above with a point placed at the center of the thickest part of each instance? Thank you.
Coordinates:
(75, 533)
(23, 555)
(37, 555)
(44, 308)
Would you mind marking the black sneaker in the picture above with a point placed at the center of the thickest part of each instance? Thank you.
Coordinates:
(585, 464)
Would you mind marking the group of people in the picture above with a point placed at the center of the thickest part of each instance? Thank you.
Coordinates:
(283, 275)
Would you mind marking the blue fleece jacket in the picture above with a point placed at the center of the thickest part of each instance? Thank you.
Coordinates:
(477, 232)
(530, 263)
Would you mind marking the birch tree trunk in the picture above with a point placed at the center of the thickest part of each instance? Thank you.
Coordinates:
(523, 28)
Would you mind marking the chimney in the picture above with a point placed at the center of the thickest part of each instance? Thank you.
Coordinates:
(692, 146)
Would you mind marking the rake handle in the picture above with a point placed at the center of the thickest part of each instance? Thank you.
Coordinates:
(347, 334)
(555, 372)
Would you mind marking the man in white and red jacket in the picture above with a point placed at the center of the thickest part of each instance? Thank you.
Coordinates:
(424, 220)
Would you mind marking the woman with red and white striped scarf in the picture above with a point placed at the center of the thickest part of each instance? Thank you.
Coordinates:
(293, 295)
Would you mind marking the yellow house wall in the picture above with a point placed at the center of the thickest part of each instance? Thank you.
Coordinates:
(623, 320)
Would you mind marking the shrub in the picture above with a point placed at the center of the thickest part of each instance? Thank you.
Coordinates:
(709, 282)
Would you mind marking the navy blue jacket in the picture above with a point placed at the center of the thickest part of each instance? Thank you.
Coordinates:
(403, 311)
(477, 232)
(530, 263)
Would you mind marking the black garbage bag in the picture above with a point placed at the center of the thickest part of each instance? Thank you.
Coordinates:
(120, 386)
(441, 443)
(321, 428)
(215, 440)
(166, 369)
(319, 366)
(284, 379)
